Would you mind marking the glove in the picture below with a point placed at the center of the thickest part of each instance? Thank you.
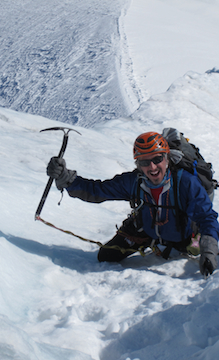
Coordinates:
(56, 169)
(209, 251)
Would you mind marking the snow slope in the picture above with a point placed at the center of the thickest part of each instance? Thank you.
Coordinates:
(58, 59)
(164, 39)
(56, 300)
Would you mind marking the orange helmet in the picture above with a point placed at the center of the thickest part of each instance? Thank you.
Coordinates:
(149, 143)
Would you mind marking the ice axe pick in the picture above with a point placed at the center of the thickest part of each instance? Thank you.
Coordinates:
(60, 155)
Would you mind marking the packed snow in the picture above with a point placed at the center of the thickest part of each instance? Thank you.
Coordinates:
(56, 300)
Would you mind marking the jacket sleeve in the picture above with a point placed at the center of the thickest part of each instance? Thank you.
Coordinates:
(96, 191)
(197, 205)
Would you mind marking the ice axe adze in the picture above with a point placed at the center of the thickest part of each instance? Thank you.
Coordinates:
(60, 155)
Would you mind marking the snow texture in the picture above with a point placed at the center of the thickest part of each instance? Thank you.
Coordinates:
(58, 59)
(56, 300)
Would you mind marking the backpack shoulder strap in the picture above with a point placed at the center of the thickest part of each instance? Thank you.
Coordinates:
(181, 217)
(136, 192)
(178, 212)
(174, 189)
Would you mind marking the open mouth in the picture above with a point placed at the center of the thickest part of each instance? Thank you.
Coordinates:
(155, 173)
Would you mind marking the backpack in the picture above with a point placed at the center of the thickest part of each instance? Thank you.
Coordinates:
(191, 161)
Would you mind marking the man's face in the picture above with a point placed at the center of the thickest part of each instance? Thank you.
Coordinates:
(155, 172)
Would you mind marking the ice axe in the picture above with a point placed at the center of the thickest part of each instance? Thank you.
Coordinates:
(60, 155)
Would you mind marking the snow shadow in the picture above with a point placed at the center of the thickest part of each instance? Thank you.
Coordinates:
(74, 259)
(180, 332)
(86, 261)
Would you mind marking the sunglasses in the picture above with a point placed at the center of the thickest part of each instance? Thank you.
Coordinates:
(156, 160)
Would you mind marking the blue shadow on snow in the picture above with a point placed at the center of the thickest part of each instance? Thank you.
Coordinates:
(74, 259)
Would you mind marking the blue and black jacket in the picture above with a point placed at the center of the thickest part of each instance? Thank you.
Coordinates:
(193, 198)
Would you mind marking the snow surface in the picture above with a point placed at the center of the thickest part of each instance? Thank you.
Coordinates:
(166, 39)
(57, 59)
(56, 300)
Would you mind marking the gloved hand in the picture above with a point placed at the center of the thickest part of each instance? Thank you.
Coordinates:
(209, 251)
(56, 169)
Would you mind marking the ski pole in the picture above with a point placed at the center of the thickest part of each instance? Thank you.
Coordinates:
(60, 155)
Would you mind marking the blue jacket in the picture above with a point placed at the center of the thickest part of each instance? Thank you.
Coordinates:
(193, 198)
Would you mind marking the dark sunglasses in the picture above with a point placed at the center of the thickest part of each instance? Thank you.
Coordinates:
(156, 160)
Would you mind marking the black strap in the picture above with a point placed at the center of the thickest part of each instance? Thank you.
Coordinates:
(174, 174)
(138, 200)
(181, 217)
(159, 206)
(166, 252)
(180, 246)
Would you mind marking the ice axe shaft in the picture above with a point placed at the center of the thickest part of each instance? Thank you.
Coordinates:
(60, 155)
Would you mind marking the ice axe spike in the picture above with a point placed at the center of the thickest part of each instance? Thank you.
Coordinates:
(60, 155)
